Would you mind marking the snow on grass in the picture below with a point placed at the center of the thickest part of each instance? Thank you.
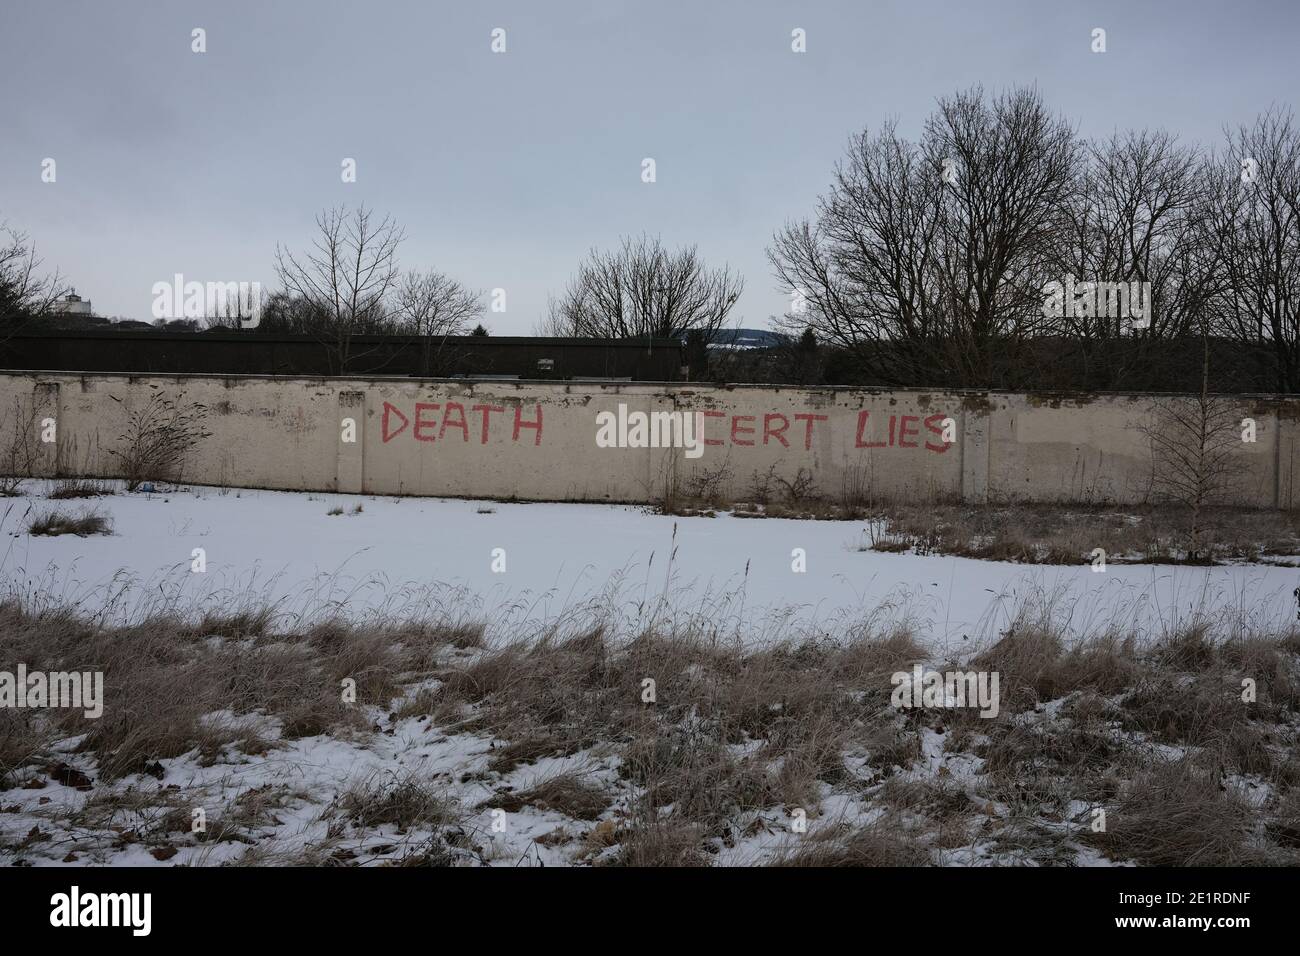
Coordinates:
(388, 555)
(549, 755)
(431, 777)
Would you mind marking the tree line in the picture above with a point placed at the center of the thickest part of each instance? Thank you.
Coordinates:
(929, 261)
(997, 249)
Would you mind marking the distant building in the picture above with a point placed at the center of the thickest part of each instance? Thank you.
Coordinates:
(176, 325)
(73, 304)
(737, 339)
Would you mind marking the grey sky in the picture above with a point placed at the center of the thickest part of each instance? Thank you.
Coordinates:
(505, 168)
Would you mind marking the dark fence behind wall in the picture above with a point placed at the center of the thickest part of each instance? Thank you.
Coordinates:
(1031, 364)
(235, 353)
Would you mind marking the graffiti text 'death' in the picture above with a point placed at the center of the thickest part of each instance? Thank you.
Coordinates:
(433, 421)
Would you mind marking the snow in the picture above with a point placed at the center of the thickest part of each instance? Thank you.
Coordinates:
(305, 775)
(400, 554)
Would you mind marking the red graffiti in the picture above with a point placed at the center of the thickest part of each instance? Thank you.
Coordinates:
(737, 427)
(777, 433)
(427, 425)
(487, 411)
(422, 423)
(743, 430)
(447, 421)
(808, 432)
(535, 425)
(458, 422)
(900, 429)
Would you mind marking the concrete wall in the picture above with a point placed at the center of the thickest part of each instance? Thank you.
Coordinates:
(537, 440)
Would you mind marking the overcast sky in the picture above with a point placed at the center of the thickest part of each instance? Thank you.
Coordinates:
(506, 168)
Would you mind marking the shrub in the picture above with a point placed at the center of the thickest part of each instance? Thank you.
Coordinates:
(157, 439)
(51, 523)
(78, 488)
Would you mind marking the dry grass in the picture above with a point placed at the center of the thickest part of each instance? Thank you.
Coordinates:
(892, 747)
(1176, 814)
(885, 842)
(711, 742)
(558, 697)
(21, 741)
(69, 488)
(164, 678)
(1284, 826)
(568, 793)
(1034, 665)
(52, 523)
(1021, 533)
(403, 802)
(1053, 534)
(672, 843)
(1192, 692)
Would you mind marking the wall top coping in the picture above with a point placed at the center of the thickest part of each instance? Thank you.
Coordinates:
(1074, 397)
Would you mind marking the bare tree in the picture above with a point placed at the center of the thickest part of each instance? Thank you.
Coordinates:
(866, 270)
(1001, 219)
(1254, 214)
(928, 258)
(434, 306)
(279, 314)
(1193, 452)
(344, 281)
(643, 289)
(1137, 220)
(20, 453)
(25, 293)
(236, 311)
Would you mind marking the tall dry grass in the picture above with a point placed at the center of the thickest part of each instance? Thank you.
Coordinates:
(716, 744)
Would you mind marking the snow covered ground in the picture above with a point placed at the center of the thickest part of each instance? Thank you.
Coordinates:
(526, 562)
(523, 562)
(512, 564)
